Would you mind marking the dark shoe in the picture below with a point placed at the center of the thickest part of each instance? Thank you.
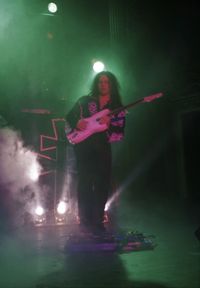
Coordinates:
(85, 227)
(99, 228)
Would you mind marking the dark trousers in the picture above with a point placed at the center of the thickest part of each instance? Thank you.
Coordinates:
(94, 169)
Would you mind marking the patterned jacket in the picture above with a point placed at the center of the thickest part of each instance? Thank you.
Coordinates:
(86, 106)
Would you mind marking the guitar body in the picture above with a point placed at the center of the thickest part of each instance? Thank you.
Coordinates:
(93, 126)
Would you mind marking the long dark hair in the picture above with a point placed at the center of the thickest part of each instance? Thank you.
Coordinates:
(114, 84)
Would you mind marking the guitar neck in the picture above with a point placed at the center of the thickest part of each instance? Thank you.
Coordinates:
(145, 99)
(117, 110)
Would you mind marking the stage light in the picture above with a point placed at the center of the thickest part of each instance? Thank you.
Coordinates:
(52, 7)
(60, 216)
(105, 217)
(62, 207)
(98, 66)
(39, 211)
(40, 216)
(107, 206)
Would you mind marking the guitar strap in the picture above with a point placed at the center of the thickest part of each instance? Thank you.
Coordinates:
(81, 110)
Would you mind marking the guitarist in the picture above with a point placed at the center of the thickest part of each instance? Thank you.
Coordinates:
(93, 155)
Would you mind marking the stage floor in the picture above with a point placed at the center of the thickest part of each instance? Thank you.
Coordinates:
(37, 258)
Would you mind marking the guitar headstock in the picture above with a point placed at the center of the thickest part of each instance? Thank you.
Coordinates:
(152, 97)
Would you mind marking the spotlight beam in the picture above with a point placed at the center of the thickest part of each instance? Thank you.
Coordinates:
(142, 166)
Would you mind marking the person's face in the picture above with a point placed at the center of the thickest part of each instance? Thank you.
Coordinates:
(104, 85)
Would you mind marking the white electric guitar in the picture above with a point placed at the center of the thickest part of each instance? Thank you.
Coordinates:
(93, 125)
